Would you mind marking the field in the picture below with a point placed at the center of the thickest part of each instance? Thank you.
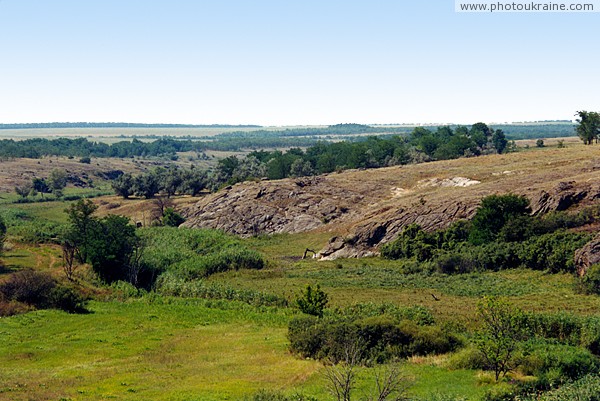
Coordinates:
(138, 345)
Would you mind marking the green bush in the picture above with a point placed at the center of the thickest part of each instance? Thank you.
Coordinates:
(494, 213)
(553, 252)
(585, 389)
(467, 358)
(312, 302)
(378, 338)
(28, 287)
(40, 290)
(67, 299)
(555, 363)
(307, 336)
(171, 218)
(590, 283)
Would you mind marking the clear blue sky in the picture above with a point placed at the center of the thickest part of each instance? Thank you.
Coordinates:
(291, 62)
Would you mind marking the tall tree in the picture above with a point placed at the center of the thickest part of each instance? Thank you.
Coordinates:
(57, 181)
(82, 226)
(588, 126)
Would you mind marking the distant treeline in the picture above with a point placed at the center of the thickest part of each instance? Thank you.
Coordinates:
(117, 125)
(421, 145)
(332, 130)
(433, 142)
(537, 131)
(81, 147)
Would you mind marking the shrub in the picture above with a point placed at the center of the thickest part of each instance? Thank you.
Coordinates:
(312, 302)
(28, 287)
(590, 282)
(552, 363)
(307, 336)
(494, 212)
(67, 299)
(553, 252)
(467, 358)
(584, 389)
(171, 218)
(378, 338)
(193, 253)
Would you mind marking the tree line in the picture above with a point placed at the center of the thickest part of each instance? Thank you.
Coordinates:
(373, 152)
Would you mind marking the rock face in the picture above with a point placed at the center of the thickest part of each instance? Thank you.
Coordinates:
(386, 227)
(587, 256)
(285, 206)
(563, 196)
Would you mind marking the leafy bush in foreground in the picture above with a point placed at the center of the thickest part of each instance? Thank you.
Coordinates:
(584, 389)
(38, 290)
(378, 338)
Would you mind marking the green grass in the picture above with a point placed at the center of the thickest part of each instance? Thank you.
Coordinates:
(172, 349)
(141, 350)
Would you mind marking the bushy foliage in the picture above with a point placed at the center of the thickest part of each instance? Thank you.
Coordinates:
(378, 338)
(502, 235)
(553, 252)
(585, 389)
(111, 244)
(499, 338)
(556, 363)
(494, 214)
(171, 218)
(40, 290)
(193, 254)
(312, 301)
(590, 282)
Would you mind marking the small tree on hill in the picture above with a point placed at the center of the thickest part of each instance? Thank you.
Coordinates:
(588, 126)
(40, 185)
(312, 301)
(500, 335)
(57, 181)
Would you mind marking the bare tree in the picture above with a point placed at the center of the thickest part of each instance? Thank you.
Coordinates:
(134, 266)
(341, 377)
(69, 251)
(390, 384)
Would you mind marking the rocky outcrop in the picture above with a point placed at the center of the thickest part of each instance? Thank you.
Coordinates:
(286, 206)
(365, 209)
(587, 256)
(369, 236)
(563, 196)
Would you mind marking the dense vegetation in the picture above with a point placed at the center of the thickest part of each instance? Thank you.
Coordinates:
(261, 139)
(502, 235)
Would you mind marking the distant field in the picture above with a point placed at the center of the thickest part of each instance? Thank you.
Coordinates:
(110, 135)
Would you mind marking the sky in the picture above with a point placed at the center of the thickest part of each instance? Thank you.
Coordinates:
(292, 62)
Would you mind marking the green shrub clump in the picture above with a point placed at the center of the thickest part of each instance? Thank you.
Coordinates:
(39, 290)
(378, 338)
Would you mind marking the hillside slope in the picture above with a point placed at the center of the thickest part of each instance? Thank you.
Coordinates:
(363, 209)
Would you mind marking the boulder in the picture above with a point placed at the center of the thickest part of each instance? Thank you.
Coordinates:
(587, 256)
